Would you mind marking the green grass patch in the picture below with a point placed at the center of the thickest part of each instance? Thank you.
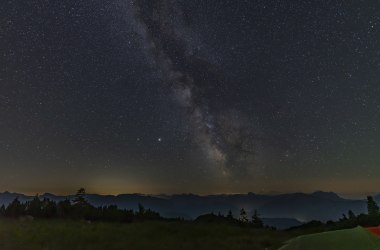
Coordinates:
(66, 234)
(348, 239)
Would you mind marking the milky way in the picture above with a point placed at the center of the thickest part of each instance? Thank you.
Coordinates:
(195, 96)
(229, 140)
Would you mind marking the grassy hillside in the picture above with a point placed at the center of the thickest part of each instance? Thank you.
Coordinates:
(348, 239)
(60, 234)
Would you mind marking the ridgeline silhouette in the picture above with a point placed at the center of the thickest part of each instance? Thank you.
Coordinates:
(78, 208)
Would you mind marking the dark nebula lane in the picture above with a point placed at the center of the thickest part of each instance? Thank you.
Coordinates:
(189, 96)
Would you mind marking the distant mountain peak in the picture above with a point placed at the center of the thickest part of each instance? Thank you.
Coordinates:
(48, 194)
(326, 195)
(12, 193)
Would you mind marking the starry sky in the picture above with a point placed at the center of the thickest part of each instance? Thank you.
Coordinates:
(197, 96)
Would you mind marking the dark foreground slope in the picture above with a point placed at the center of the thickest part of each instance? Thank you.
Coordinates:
(59, 234)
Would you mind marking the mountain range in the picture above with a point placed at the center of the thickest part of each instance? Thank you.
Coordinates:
(281, 211)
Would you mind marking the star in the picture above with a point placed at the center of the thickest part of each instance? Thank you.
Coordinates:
(189, 92)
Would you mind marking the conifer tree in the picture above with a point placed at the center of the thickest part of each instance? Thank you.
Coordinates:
(243, 216)
(256, 221)
(373, 208)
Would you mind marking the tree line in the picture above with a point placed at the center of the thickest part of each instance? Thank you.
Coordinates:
(372, 218)
(77, 208)
(349, 220)
(241, 220)
(80, 208)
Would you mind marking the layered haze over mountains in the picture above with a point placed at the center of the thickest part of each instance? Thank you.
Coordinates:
(281, 211)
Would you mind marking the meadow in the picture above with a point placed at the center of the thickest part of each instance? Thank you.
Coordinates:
(70, 234)
(348, 239)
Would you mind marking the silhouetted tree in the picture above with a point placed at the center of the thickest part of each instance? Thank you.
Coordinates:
(151, 215)
(15, 209)
(49, 208)
(78, 209)
(2, 210)
(344, 217)
(34, 207)
(80, 197)
(243, 216)
(146, 214)
(141, 209)
(81, 208)
(229, 215)
(112, 213)
(351, 215)
(373, 208)
(256, 221)
(64, 208)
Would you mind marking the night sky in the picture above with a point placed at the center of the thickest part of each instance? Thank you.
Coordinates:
(197, 96)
